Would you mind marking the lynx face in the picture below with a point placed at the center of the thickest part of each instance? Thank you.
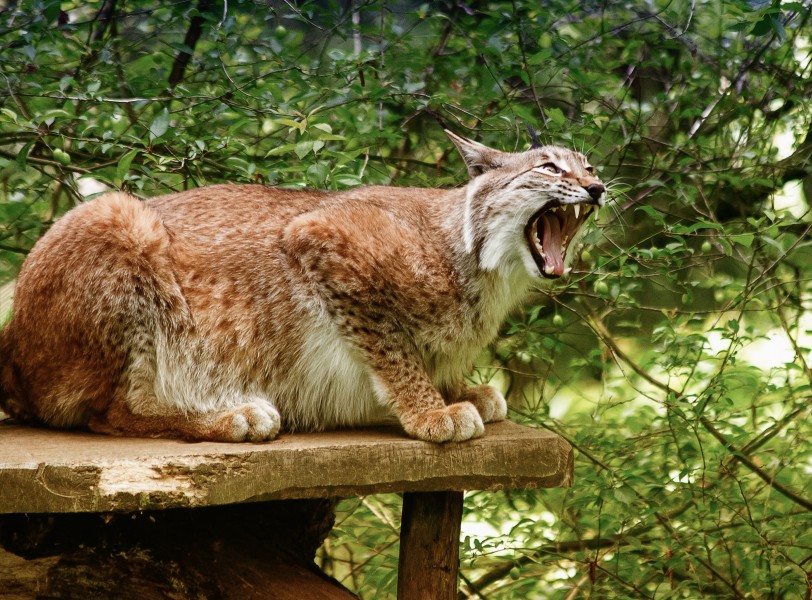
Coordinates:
(527, 207)
(573, 194)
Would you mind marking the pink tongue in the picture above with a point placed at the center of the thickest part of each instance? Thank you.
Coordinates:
(551, 244)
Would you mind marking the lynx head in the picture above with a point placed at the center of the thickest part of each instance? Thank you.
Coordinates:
(526, 208)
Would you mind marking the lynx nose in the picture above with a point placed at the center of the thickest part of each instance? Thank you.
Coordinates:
(595, 190)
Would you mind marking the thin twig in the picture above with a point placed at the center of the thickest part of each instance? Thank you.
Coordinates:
(706, 423)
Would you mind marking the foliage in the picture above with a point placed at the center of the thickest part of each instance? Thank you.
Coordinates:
(675, 359)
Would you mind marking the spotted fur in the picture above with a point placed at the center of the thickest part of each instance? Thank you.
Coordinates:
(232, 311)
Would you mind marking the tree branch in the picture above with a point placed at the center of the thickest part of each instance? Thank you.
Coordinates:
(737, 453)
(190, 41)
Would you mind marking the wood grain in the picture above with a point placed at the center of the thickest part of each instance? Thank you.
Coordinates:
(46, 471)
(430, 546)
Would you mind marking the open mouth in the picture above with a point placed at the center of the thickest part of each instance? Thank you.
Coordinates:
(550, 230)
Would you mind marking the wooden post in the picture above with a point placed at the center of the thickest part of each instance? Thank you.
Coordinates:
(429, 562)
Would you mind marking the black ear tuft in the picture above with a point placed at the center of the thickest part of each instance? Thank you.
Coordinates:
(437, 118)
(534, 137)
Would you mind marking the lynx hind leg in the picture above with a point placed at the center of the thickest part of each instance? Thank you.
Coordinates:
(254, 420)
(489, 402)
(194, 410)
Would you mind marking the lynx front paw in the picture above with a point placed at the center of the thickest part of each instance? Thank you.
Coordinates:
(256, 421)
(456, 423)
(489, 402)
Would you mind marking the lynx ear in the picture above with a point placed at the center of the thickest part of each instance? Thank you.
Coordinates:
(478, 158)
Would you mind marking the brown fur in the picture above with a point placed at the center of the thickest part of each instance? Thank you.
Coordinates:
(227, 312)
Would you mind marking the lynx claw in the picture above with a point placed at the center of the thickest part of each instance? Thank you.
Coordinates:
(454, 423)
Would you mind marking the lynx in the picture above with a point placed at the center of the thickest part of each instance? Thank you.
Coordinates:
(229, 312)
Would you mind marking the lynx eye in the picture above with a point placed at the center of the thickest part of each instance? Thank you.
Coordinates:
(549, 169)
(590, 169)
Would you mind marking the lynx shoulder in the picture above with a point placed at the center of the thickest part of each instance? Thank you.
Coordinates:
(231, 311)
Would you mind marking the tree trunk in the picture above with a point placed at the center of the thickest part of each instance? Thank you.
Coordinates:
(262, 550)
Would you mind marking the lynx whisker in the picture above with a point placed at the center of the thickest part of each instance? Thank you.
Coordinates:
(614, 192)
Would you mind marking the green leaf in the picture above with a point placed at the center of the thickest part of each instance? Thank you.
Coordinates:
(52, 9)
(745, 239)
(540, 58)
(297, 125)
(556, 116)
(123, 167)
(302, 149)
(325, 127)
(652, 212)
(8, 114)
(696, 227)
(317, 174)
(622, 496)
(159, 125)
(22, 155)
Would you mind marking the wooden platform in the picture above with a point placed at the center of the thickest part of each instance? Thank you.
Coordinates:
(94, 516)
(55, 472)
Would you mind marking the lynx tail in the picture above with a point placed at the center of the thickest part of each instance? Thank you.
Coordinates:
(9, 386)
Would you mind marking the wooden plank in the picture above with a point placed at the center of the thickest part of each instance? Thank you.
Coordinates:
(429, 546)
(52, 471)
